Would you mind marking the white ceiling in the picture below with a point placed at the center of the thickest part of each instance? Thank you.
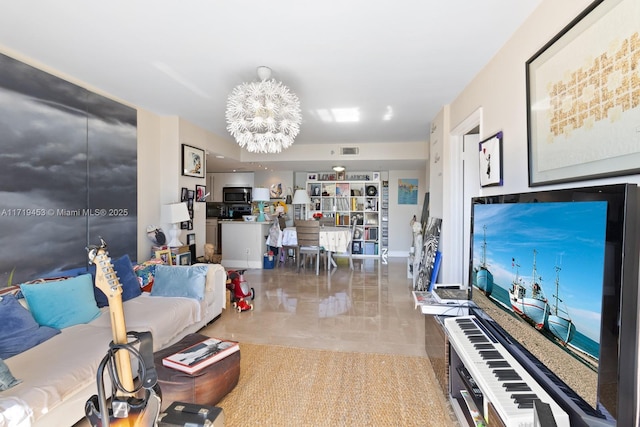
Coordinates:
(183, 58)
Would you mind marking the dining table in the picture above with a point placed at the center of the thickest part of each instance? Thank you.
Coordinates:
(332, 239)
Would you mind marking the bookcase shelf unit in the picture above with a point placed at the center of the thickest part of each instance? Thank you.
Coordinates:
(352, 201)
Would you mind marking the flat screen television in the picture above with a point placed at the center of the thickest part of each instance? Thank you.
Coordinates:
(554, 275)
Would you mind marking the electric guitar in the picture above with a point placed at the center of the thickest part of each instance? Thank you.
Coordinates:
(127, 408)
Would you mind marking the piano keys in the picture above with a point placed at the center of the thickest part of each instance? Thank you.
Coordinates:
(502, 381)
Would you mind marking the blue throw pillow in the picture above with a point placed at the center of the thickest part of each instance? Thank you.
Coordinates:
(64, 303)
(18, 329)
(180, 281)
(127, 277)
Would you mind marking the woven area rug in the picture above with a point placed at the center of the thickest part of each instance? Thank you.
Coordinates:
(285, 386)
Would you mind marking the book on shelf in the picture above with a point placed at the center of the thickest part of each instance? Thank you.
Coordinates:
(200, 355)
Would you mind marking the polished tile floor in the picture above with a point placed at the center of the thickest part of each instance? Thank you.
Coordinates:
(367, 309)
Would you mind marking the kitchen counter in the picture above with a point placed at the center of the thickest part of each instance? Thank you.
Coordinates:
(243, 243)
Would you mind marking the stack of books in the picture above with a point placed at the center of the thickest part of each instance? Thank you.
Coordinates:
(200, 355)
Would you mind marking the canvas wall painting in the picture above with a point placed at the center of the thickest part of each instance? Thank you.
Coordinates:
(61, 146)
(407, 191)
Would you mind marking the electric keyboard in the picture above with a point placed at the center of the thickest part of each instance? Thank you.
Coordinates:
(501, 379)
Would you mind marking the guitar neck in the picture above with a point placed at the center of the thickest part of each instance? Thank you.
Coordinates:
(107, 281)
(119, 331)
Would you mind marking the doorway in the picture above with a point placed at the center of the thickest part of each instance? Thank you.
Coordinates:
(462, 184)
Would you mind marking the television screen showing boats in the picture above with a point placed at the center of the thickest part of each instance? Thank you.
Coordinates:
(566, 311)
(560, 262)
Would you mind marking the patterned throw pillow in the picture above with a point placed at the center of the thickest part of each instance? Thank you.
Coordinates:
(146, 272)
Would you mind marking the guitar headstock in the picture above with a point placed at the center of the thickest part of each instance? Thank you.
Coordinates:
(106, 278)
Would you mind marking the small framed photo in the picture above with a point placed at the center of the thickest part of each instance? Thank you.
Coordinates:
(201, 193)
(340, 176)
(491, 161)
(165, 256)
(191, 239)
(183, 258)
(193, 161)
(312, 177)
(183, 194)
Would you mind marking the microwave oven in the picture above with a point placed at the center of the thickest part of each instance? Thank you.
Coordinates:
(236, 194)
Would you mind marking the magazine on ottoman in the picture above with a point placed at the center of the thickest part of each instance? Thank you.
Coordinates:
(200, 355)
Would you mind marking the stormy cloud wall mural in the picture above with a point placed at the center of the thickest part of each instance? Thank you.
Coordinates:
(68, 174)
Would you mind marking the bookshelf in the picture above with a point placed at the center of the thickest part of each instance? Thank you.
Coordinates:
(353, 200)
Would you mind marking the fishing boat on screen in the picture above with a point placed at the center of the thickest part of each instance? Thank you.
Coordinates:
(483, 277)
(559, 323)
(529, 302)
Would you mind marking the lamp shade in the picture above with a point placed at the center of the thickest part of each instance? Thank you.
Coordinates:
(300, 197)
(175, 212)
(260, 195)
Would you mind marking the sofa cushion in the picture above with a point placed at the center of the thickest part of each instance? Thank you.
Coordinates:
(18, 329)
(63, 303)
(127, 277)
(180, 281)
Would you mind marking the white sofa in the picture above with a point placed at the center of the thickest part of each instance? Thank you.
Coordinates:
(59, 375)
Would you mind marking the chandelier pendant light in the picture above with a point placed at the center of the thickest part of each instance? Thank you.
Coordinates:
(264, 116)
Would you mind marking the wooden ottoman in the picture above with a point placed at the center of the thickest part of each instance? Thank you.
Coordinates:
(206, 387)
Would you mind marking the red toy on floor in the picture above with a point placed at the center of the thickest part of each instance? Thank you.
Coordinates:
(241, 293)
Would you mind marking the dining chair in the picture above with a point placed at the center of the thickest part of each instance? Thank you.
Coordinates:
(308, 233)
(349, 252)
(284, 255)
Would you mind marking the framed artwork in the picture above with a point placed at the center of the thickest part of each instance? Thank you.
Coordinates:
(201, 193)
(407, 191)
(183, 194)
(340, 176)
(165, 256)
(191, 239)
(583, 97)
(312, 177)
(183, 258)
(193, 161)
(425, 256)
(491, 160)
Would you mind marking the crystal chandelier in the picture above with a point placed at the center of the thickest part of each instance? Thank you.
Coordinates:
(263, 117)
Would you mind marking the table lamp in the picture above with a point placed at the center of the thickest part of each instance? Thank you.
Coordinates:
(300, 197)
(174, 214)
(261, 195)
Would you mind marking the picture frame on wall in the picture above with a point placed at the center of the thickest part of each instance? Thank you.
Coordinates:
(193, 161)
(201, 193)
(582, 109)
(490, 157)
(191, 239)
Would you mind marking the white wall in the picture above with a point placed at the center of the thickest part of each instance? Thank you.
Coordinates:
(499, 90)
(400, 233)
